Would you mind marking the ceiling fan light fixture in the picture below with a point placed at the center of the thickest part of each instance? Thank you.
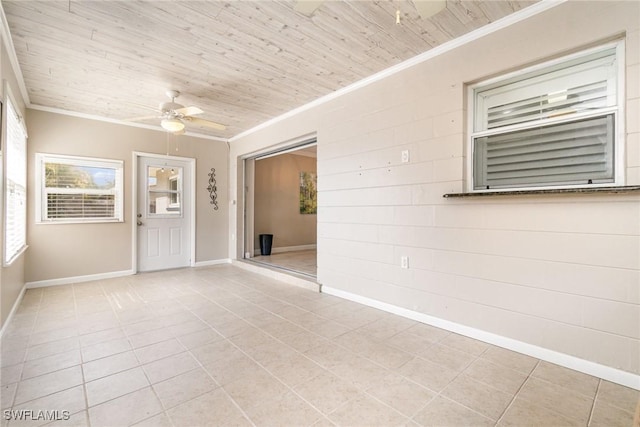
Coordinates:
(172, 125)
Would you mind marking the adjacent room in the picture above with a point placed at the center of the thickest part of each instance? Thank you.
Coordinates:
(285, 207)
(344, 213)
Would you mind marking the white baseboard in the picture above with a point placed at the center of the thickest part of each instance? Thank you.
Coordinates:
(102, 276)
(617, 376)
(78, 279)
(16, 304)
(282, 249)
(212, 262)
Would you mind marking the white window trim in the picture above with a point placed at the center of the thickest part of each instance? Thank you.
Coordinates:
(172, 192)
(619, 142)
(40, 205)
(9, 98)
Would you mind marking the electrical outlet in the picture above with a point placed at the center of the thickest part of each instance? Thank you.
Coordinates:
(405, 156)
(247, 254)
(404, 262)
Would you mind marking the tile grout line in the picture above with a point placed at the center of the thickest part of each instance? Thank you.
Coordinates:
(247, 355)
(515, 395)
(84, 382)
(187, 350)
(201, 366)
(253, 325)
(109, 300)
(593, 404)
(439, 394)
(26, 351)
(141, 366)
(57, 370)
(362, 389)
(247, 296)
(291, 389)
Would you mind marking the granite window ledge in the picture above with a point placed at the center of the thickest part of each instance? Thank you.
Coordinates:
(583, 190)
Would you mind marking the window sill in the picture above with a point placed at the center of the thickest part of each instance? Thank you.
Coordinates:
(604, 190)
(76, 221)
(15, 256)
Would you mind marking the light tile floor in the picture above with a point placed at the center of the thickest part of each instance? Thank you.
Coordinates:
(223, 346)
(304, 262)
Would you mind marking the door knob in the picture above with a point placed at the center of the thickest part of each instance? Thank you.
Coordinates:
(139, 223)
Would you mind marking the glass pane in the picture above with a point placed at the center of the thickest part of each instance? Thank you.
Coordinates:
(164, 185)
(60, 175)
(572, 153)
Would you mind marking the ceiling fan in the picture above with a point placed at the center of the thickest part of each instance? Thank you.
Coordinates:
(426, 8)
(175, 116)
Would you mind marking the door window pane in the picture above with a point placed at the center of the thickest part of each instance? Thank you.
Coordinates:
(164, 188)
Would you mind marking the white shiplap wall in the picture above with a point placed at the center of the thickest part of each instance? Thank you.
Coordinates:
(558, 272)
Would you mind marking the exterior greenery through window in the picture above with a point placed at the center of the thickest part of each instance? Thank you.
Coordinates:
(76, 189)
(553, 125)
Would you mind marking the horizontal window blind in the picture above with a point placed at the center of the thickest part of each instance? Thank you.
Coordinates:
(79, 189)
(80, 206)
(15, 238)
(574, 100)
(578, 86)
(550, 125)
(15, 220)
(577, 152)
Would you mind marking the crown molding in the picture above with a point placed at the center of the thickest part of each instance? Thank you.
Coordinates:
(5, 33)
(119, 122)
(505, 22)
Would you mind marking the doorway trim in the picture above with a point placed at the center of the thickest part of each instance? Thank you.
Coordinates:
(134, 205)
(310, 139)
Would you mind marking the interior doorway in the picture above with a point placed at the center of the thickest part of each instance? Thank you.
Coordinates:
(281, 209)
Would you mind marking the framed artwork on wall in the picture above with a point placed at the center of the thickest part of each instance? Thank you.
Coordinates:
(308, 193)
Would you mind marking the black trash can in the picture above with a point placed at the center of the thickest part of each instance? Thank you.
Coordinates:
(266, 240)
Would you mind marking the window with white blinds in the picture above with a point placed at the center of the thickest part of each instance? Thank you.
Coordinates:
(78, 189)
(554, 125)
(15, 231)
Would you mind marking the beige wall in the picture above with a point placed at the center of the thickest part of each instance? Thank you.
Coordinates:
(11, 277)
(560, 272)
(277, 201)
(70, 250)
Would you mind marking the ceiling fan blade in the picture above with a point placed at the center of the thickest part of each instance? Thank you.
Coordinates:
(307, 7)
(189, 111)
(206, 123)
(139, 119)
(428, 8)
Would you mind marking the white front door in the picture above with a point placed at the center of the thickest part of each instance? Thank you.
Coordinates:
(163, 213)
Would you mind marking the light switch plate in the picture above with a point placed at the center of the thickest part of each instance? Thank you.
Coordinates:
(405, 156)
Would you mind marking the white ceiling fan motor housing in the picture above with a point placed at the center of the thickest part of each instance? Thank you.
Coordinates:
(170, 106)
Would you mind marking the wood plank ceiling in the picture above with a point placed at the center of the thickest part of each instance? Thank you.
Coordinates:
(242, 62)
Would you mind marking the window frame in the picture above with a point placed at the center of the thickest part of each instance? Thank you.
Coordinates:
(526, 72)
(41, 190)
(10, 101)
(174, 210)
(174, 195)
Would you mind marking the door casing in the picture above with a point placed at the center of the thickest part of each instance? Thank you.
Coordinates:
(134, 204)
(246, 177)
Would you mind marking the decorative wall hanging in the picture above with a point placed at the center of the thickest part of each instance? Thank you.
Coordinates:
(212, 189)
(308, 193)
